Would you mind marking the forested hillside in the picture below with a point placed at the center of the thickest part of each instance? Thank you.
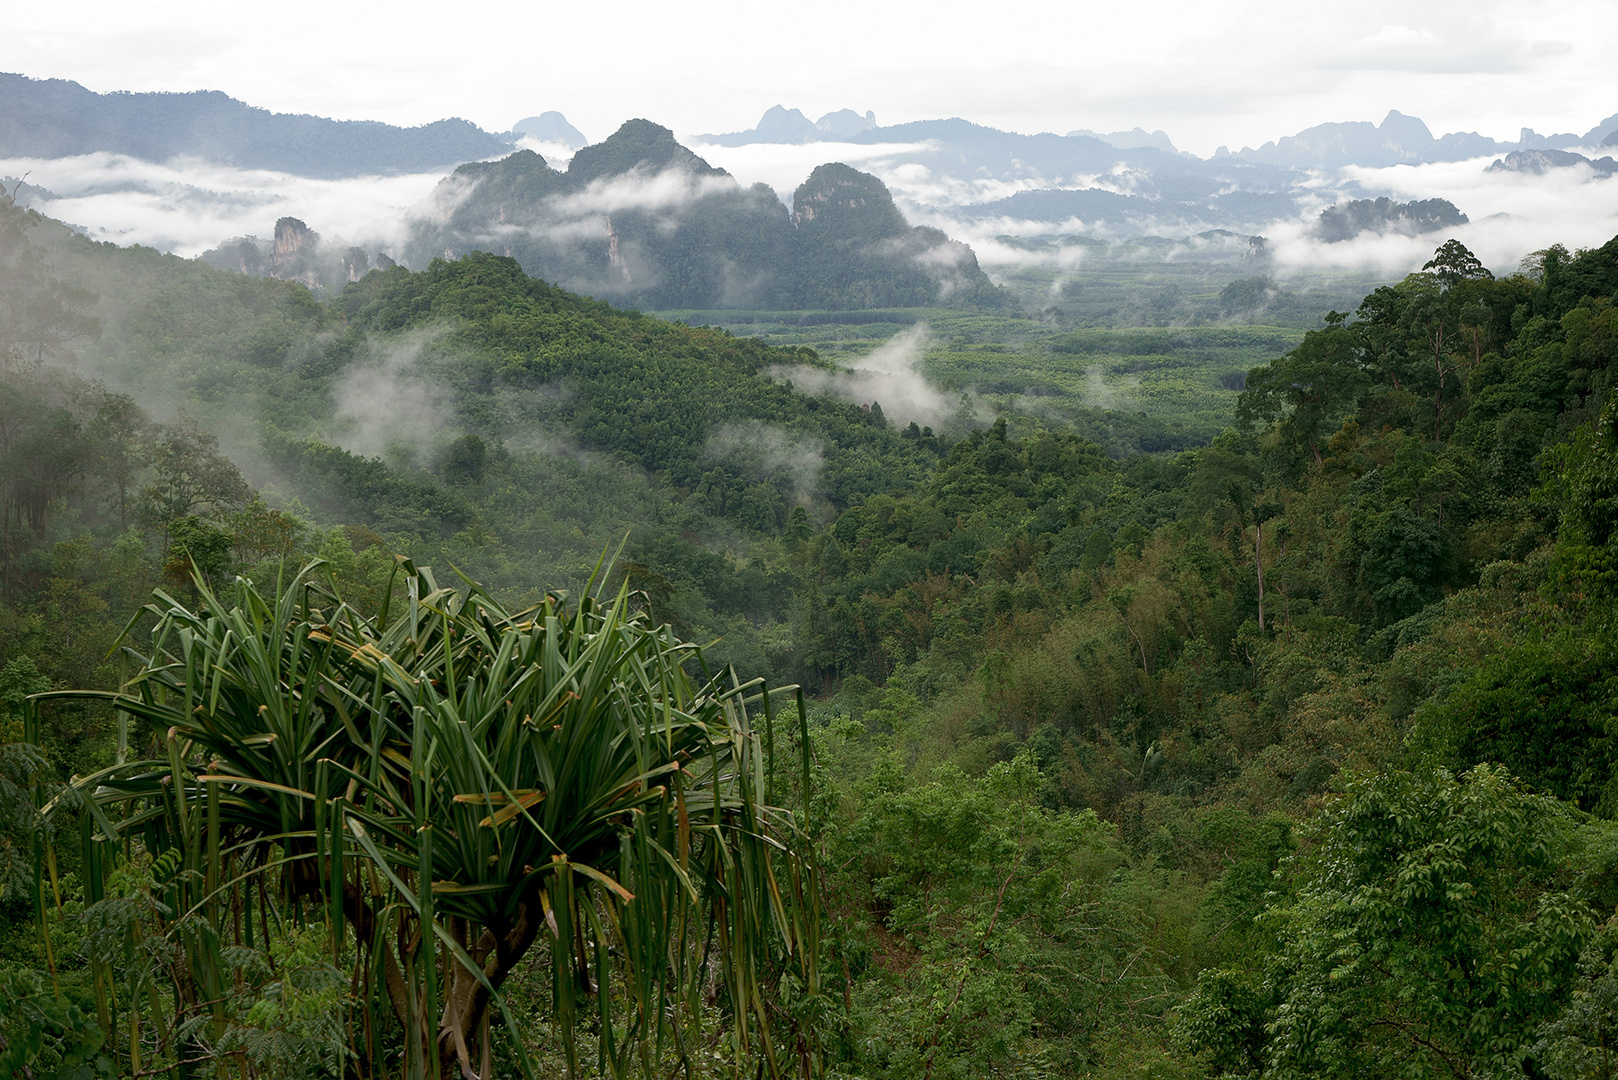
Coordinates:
(1286, 755)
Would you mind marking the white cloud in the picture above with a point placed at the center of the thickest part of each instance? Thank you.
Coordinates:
(1511, 214)
(767, 451)
(390, 405)
(187, 206)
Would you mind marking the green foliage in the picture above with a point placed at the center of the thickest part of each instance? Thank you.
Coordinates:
(991, 935)
(1577, 1043)
(293, 1000)
(1309, 390)
(43, 1036)
(567, 761)
(1546, 710)
(1434, 923)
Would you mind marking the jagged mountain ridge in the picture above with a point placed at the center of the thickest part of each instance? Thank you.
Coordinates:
(1119, 185)
(1405, 140)
(1055, 180)
(1127, 182)
(1540, 161)
(1398, 139)
(640, 219)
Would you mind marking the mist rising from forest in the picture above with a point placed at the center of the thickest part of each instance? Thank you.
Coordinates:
(889, 375)
(391, 406)
(766, 451)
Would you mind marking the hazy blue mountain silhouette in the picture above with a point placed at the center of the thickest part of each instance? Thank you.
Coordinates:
(57, 118)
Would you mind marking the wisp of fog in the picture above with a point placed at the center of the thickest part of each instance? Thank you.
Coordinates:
(889, 375)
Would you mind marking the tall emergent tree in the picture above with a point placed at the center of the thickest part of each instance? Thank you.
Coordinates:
(441, 795)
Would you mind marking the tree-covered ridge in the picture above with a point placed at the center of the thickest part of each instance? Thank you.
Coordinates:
(1400, 566)
(652, 393)
(479, 415)
(640, 219)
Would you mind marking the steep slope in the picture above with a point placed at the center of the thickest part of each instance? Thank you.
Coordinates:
(855, 249)
(468, 414)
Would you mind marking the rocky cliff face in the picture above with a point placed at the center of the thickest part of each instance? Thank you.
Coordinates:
(845, 202)
(856, 250)
(292, 240)
(294, 252)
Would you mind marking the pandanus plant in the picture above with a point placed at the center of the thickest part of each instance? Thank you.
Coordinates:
(461, 789)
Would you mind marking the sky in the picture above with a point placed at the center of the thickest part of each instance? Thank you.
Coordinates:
(1209, 73)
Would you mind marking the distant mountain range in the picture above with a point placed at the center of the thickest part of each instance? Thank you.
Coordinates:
(1405, 140)
(1539, 162)
(551, 127)
(49, 118)
(1397, 140)
(640, 219)
(1136, 182)
(782, 125)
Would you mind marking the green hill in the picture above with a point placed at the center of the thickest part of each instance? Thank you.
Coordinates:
(470, 411)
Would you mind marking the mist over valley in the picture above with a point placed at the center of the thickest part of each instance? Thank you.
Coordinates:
(225, 170)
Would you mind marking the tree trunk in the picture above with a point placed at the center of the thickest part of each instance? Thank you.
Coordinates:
(463, 1024)
(1258, 564)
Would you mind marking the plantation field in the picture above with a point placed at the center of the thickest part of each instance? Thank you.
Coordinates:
(1138, 389)
(1140, 347)
(1157, 282)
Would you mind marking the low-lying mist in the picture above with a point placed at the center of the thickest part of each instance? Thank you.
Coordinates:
(189, 206)
(390, 405)
(1512, 214)
(889, 376)
(766, 451)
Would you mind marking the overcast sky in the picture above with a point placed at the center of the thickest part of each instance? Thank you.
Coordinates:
(1236, 72)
